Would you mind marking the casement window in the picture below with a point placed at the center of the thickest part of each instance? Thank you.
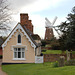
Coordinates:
(19, 53)
(19, 38)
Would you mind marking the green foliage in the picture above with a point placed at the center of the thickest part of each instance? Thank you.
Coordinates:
(52, 43)
(43, 42)
(62, 42)
(67, 40)
(55, 46)
(48, 45)
(56, 64)
(73, 52)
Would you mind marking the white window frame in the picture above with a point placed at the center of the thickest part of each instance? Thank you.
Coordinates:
(17, 53)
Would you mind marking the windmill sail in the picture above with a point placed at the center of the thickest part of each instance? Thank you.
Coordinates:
(54, 20)
(48, 21)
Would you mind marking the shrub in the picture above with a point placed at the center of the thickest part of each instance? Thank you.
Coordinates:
(43, 42)
(55, 47)
(56, 64)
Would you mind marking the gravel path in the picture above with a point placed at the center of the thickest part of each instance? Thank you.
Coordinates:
(1, 72)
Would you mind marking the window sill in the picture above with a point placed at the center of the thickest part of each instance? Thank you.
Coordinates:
(19, 59)
(19, 44)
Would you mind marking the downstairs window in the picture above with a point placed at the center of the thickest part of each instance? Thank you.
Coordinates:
(19, 53)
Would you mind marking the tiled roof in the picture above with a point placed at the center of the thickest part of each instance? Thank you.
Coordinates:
(32, 36)
(36, 37)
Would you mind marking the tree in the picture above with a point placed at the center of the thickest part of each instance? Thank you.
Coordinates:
(67, 40)
(4, 15)
(43, 42)
(54, 44)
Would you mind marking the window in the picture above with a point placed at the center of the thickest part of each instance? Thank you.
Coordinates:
(19, 38)
(19, 53)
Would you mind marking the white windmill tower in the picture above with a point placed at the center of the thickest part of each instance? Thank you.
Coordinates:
(49, 29)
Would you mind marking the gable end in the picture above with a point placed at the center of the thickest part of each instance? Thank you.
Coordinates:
(12, 33)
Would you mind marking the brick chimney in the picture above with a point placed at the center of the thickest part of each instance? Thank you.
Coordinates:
(24, 20)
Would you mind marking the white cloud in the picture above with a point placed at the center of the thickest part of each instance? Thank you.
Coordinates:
(32, 5)
(40, 5)
(18, 4)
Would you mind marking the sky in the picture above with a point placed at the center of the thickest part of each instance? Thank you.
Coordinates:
(38, 10)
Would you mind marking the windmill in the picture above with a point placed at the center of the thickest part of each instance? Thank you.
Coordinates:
(49, 29)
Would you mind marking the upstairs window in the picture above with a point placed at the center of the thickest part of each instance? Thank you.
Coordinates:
(19, 38)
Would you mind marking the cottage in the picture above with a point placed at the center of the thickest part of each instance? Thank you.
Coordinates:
(22, 45)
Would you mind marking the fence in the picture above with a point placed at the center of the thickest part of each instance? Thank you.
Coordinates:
(38, 59)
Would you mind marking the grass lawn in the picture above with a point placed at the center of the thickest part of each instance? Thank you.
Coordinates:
(38, 69)
(52, 52)
(55, 52)
(73, 52)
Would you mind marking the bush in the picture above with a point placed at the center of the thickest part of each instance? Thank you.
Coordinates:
(43, 42)
(0, 56)
(56, 64)
(70, 62)
(55, 47)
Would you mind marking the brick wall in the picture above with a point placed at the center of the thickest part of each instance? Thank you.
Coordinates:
(55, 57)
(24, 20)
(0, 51)
(73, 56)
